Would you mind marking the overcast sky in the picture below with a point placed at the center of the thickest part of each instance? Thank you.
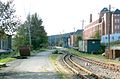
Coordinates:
(63, 15)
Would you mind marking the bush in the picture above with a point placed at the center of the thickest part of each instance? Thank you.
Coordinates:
(102, 49)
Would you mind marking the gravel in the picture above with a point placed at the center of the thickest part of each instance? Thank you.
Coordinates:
(36, 67)
(106, 73)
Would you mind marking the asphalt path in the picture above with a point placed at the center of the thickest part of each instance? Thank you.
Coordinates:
(34, 67)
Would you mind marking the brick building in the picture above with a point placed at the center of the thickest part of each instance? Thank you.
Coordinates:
(102, 24)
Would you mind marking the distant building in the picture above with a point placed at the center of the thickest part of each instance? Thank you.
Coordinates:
(5, 41)
(59, 40)
(102, 24)
(65, 40)
(73, 38)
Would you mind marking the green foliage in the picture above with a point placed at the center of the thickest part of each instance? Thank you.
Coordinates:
(38, 35)
(5, 60)
(79, 37)
(97, 35)
(8, 20)
(115, 43)
(21, 37)
(102, 49)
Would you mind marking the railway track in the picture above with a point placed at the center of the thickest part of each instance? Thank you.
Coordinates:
(79, 70)
(99, 69)
(111, 66)
(102, 69)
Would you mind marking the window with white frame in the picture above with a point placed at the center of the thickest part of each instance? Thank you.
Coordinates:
(118, 27)
(117, 20)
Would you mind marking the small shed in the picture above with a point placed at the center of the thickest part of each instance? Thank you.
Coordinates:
(90, 45)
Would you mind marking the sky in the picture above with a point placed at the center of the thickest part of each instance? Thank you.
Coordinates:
(63, 16)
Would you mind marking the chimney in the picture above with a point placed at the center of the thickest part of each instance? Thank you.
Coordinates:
(90, 18)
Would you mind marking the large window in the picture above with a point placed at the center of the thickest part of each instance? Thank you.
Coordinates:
(117, 20)
(117, 27)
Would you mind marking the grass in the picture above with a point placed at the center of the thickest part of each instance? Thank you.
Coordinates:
(5, 60)
(98, 57)
(53, 59)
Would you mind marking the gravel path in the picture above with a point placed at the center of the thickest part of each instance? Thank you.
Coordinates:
(36, 67)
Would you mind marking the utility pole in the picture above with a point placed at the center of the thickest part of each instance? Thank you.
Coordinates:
(109, 29)
(29, 24)
(83, 24)
(83, 21)
(74, 39)
(29, 30)
(82, 33)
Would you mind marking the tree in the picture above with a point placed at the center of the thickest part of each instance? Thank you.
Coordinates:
(97, 35)
(32, 26)
(8, 20)
(21, 38)
(38, 35)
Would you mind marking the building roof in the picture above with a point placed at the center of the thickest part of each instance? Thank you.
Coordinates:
(79, 32)
(104, 10)
(117, 11)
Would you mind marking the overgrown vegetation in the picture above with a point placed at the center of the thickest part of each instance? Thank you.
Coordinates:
(7, 57)
(5, 60)
(98, 57)
(31, 32)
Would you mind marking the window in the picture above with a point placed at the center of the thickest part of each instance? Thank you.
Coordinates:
(115, 27)
(118, 15)
(117, 20)
(118, 27)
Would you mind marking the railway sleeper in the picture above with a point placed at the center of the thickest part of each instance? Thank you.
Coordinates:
(109, 66)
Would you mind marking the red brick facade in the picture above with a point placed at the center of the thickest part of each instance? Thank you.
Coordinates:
(102, 25)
